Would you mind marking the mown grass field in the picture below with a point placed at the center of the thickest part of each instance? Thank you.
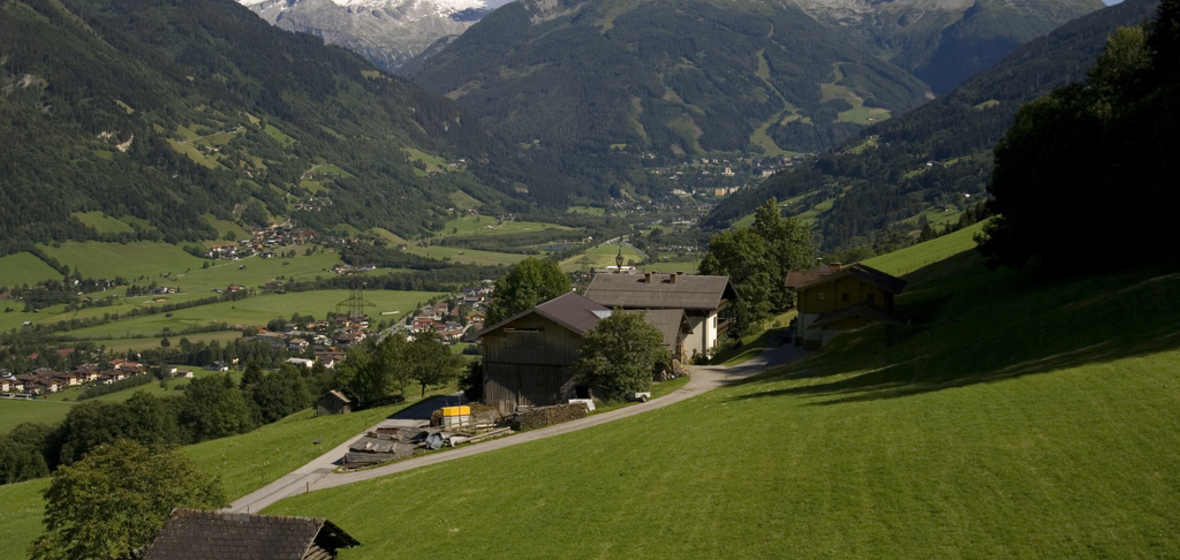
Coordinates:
(13, 412)
(466, 256)
(256, 311)
(599, 256)
(130, 260)
(102, 223)
(1015, 418)
(244, 463)
(23, 509)
(250, 461)
(24, 268)
(923, 254)
(488, 225)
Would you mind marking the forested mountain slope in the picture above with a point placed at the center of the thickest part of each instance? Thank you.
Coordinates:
(158, 112)
(943, 42)
(934, 156)
(665, 79)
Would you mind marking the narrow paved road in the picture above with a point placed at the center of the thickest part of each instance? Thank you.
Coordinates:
(319, 474)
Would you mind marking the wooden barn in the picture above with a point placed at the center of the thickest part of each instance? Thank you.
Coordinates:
(527, 358)
(333, 402)
(837, 298)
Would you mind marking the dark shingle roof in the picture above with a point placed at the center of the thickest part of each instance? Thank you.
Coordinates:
(887, 282)
(207, 535)
(659, 291)
(667, 321)
(572, 311)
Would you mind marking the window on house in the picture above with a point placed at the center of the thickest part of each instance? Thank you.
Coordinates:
(820, 296)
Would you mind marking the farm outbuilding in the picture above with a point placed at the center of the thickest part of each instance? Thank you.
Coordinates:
(333, 402)
(193, 534)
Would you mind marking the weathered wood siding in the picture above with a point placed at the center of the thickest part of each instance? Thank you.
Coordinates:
(527, 363)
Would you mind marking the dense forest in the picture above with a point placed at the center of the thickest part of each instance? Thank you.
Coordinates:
(158, 112)
(1087, 171)
(937, 155)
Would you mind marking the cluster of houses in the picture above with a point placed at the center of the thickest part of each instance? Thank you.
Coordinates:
(456, 319)
(45, 380)
(528, 357)
(326, 339)
(263, 242)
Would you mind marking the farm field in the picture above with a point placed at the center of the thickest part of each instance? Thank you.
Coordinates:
(973, 432)
(255, 311)
(122, 345)
(599, 256)
(102, 223)
(95, 259)
(23, 509)
(687, 267)
(13, 412)
(467, 256)
(917, 256)
(488, 225)
(25, 268)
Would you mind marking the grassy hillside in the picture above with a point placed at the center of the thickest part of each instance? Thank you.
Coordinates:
(23, 508)
(1016, 418)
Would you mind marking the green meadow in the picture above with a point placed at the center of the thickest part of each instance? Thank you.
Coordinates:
(24, 268)
(1013, 418)
(23, 509)
(127, 260)
(102, 223)
(488, 225)
(13, 412)
(467, 256)
(256, 311)
(600, 256)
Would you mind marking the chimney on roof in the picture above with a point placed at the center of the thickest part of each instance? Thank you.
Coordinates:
(673, 277)
(647, 278)
(834, 267)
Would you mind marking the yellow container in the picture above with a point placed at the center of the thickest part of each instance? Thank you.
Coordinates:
(456, 411)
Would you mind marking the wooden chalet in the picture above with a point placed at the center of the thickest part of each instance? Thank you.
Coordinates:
(527, 358)
(207, 535)
(837, 298)
(333, 402)
(701, 298)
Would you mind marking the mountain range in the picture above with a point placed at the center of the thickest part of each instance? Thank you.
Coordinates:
(165, 115)
(938, 157)
(387, 32)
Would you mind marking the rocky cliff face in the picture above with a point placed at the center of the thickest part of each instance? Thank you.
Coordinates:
(387, 32)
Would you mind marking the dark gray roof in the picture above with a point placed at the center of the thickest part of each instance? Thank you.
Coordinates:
(572, 311)
(208, 535)
(661, 291)
(797, 279)
(667, 321)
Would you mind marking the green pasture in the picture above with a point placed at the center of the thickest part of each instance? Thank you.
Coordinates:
(245, 463)
(1014, 418)
(588, 210)
(23, 509)
(388, 236)
(122, 345)
(225, 226)
(687, 267)
(101, 222)
(599, 256)
(252, 460)
(128, 260)
(256, 311)
(467, 256)
(278, 135)
(464, 201)
(14, 411)
(24, 268)
(488, 225)
(917, 256)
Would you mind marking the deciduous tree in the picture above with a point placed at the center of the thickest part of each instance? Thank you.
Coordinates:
(531, 281)
(117, 499)
(619, 355)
